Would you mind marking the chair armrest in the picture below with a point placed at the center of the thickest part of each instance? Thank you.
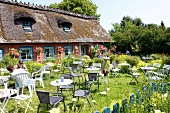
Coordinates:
(35, 72)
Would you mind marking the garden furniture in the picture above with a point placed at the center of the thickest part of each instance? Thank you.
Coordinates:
(149, 75)
(5, 95)
(92, 76)
(164, 72)
(69, 86)
(24, 100)
(75, 75)
(4, 70)
(123, 66)
(38, 75)
(23, 80)
(4, 79)
(49, 98)
(61, 82)
(146, 58)
(113, 69)
(134, 74)
(85, 93)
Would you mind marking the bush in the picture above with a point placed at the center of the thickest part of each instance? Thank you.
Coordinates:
(8, 60)
(132, 60)
(166, 60)
(33, 66)
(98, 60)
(157, 56)
(112, 57)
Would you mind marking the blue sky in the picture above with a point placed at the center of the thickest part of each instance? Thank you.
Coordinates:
(112, 11)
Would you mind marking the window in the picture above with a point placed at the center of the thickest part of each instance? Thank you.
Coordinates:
(48, 52)
(83, 50)
(68, 50)
(26, 53)
(66, 28)
(1, 53)
(26, 25)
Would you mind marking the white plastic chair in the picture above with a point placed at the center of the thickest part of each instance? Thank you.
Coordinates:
(5, 94)
(114, 70)
(39, 75)
(24, 100)
(23, 80)
(98, 65)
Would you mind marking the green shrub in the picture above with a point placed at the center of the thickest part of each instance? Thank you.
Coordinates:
(166, 60)
(33, 66)
(53, 60)
(112, 57)
(98, 60)
(132, 60)
(8, 60)
(93, 53)
(157, 56)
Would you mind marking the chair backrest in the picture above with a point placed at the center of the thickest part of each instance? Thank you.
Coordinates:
(66, 76)
(74, 66)
(98, 65)
(157, 65)
(90, 64)
(42, 69)
(92, 76)
(71, 70)
(23, 79)
(114, 65)
(43, 96)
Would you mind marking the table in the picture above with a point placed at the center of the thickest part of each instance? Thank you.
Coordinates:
(124, 64)
(58, 83)
(93, 69)
(146, 68)
(124, 70)
(3, 70)
(146, 58)
(77, 62)
(50, 64)
(4, 79)
(5, 94)
(145, 71)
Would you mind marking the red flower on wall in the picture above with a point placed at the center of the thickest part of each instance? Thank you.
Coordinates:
(103, 48)
(38, 50)
(60, 49)
(13, 52)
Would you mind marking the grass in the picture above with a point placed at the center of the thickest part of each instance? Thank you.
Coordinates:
(120, 88)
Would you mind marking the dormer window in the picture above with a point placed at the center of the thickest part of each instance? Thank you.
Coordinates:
(64, 23)
(24, 20)
(26, 25)
(66, 29)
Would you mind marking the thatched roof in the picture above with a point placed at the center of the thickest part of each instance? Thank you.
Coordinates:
(45, 27)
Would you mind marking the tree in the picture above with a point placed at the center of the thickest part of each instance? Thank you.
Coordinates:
(140, 38)
(85, 7)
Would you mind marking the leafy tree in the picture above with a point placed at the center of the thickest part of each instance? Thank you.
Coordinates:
(85, 7)
(140, 38)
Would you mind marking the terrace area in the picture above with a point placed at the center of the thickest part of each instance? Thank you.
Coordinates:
(110, 90)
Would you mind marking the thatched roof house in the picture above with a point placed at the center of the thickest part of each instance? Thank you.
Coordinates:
(24, 24)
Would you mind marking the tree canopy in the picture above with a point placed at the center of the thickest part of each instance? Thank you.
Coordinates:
(140, 38)
(85, 7)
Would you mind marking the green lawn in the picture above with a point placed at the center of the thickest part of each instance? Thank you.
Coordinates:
(119, 89)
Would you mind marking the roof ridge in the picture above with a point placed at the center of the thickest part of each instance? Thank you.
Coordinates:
(46, 8)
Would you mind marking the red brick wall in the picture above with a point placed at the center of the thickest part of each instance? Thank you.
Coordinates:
(16, 46)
